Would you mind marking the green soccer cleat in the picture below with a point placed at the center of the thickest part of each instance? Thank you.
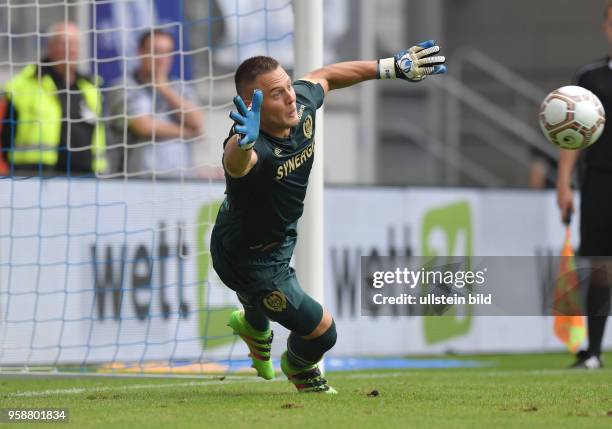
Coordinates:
(306, 380)
(259, 343)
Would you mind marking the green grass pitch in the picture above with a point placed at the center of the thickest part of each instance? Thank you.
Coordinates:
(518, 391)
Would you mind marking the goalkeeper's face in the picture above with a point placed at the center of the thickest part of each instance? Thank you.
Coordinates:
(278, 111)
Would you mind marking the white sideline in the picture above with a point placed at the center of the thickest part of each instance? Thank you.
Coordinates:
(76, 391)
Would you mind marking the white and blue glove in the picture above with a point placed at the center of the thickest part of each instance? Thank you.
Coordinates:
(413, 64)
(247, 120)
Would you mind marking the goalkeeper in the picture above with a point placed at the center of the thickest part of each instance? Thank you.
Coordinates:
(267, 160)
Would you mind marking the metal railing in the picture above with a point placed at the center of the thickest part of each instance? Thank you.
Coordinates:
(458, 95)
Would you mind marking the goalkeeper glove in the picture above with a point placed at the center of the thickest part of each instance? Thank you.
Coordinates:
(247, 120)
(413, 64)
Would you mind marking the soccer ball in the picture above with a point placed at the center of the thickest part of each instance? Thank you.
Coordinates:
(572, 117)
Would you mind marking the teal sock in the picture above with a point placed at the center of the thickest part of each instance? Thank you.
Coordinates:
(302, 353)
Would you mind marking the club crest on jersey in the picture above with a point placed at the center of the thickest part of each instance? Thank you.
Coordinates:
(275, 301)
(308, 127)
(278, 151)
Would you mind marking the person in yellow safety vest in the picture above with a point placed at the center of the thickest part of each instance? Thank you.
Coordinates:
(51, 113)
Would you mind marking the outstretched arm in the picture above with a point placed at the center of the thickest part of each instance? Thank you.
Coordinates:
(413, 64)
(341, 75)
(238, 156)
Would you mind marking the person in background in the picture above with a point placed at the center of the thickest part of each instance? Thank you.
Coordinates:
(155, 117)
(50, 113)
(595, 204)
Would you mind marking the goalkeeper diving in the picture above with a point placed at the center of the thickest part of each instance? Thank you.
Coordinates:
(267, 160)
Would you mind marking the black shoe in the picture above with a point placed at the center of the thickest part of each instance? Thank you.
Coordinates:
(585, 360)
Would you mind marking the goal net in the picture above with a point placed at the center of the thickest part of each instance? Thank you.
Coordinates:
(110, 185)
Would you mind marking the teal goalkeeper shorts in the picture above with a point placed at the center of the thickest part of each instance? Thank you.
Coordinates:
(269, 285)
(266, 278)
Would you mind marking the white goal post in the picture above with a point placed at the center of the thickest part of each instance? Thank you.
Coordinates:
(308, 54)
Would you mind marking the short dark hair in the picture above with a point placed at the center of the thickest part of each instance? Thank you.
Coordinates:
(144, 37)
(248, 71)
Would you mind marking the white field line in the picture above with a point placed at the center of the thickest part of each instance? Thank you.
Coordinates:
(79, 390)
(229, 379)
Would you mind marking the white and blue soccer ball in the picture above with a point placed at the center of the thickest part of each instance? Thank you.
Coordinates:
(572, 117)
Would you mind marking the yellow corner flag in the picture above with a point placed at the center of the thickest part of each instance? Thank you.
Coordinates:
(569, 326)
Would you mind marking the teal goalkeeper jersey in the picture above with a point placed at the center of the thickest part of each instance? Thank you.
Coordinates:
(261, 209)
